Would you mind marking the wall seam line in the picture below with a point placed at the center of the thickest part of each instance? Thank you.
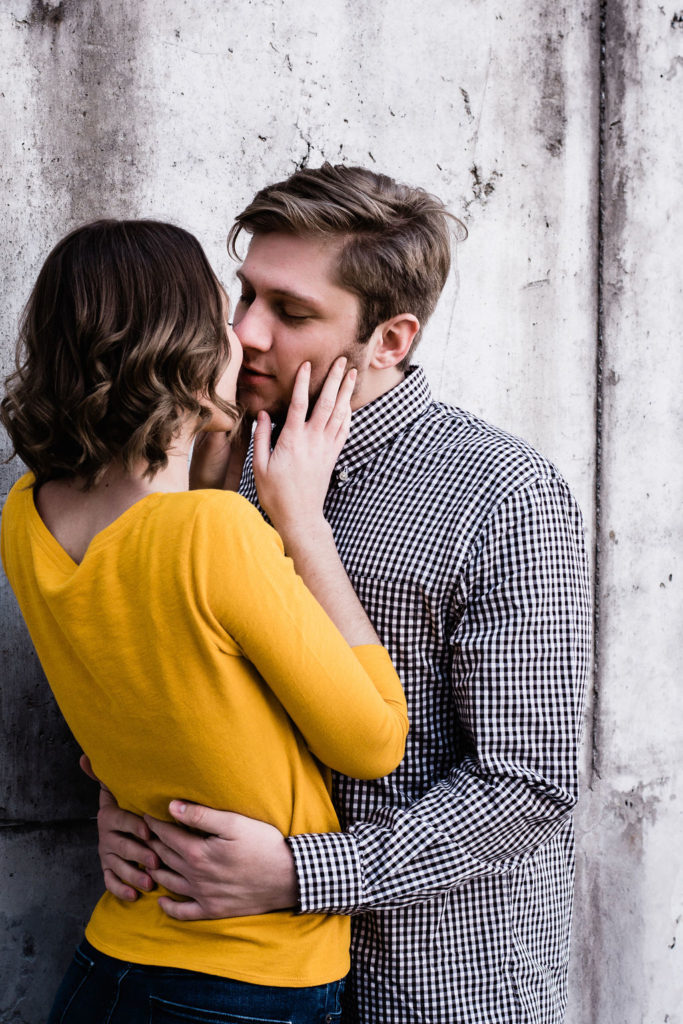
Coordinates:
(599, 354)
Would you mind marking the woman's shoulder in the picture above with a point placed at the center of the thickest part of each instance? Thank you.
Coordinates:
(20, 496)
(17, 513)
(220, 531)
(211, 502)
(224, 513)
(22, 487)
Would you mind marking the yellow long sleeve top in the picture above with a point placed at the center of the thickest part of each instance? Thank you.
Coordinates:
(190, 661)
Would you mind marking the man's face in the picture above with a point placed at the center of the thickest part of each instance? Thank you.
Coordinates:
(290, 310)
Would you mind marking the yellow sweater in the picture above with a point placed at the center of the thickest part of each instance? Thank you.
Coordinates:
(190, 661)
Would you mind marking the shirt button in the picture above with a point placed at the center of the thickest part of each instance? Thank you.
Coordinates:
(342, 475)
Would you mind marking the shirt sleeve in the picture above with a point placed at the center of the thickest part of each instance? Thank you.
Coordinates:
(347, 702)
(520, 656)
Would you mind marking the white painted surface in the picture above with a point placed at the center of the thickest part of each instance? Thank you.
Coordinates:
(630, 891)
(180, 110)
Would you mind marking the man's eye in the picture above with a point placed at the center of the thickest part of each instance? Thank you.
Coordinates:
(294, 316)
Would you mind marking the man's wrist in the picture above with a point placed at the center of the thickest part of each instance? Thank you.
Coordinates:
(286, 884)
(328, 871)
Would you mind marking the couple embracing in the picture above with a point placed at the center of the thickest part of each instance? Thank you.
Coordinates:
(237, 681)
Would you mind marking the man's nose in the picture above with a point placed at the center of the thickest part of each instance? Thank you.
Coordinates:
(252, 329)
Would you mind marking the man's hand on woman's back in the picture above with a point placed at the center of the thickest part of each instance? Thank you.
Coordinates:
(236, 867)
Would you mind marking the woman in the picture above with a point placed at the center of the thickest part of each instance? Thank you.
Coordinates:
(181, 645)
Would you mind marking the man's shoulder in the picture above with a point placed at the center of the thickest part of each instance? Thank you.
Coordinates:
(469, 477)
(477, 455)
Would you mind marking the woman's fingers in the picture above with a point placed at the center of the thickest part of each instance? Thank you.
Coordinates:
(293, 478)
(340, 418)
(326, 404)
(298, 404)
(261, 452)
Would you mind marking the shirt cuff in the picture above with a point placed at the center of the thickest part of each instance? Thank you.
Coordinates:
(329, 872)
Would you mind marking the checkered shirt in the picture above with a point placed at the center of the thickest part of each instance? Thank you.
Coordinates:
(466, 549)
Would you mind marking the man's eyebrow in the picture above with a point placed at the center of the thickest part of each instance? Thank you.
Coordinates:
(285, 293)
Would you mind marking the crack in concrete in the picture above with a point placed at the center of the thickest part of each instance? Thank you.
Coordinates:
(20, 826)
(599, 384)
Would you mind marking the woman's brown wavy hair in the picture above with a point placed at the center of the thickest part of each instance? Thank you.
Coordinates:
(123, 335)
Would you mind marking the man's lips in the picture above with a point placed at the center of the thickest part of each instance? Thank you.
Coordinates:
(254, 373)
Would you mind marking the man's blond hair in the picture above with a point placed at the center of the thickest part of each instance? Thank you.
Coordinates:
(395, 241)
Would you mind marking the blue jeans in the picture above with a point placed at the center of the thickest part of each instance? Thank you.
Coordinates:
(100, 990)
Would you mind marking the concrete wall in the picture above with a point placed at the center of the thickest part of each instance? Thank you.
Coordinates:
(555, 132)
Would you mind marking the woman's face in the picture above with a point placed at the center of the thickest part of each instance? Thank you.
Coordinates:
(226, 388)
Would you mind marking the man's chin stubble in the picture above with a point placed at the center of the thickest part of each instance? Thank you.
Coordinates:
(278, 411)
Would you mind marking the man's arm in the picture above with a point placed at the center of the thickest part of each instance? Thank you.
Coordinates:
(238, 867)
(520, 660)
(521, 651)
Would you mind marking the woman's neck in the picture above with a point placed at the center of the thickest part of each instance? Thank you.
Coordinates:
(174, 476)
(74, 515)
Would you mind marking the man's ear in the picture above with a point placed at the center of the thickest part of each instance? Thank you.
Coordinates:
(392, 339)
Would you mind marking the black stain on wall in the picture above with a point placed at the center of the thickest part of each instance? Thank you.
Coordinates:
(551, 122)
(466, 100)
(482, 186)
(90, 101)
(43, 13)
(620, 57)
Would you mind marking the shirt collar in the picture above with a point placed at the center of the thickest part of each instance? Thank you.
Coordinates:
(381, 420)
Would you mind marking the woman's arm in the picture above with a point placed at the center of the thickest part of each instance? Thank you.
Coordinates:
(292, 482)
(294, 618)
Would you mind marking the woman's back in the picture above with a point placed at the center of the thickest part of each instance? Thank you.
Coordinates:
(187, 656)
(166, 630)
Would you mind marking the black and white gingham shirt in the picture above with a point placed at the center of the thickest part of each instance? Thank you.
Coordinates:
(466, 549)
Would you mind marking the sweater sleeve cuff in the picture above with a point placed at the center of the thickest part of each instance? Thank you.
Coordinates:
(329, 872)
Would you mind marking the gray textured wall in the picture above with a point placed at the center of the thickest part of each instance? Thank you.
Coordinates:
(555, 132)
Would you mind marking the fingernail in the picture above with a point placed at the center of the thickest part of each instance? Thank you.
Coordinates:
(176, 807)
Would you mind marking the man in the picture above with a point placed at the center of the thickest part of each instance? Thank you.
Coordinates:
(466, 549)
